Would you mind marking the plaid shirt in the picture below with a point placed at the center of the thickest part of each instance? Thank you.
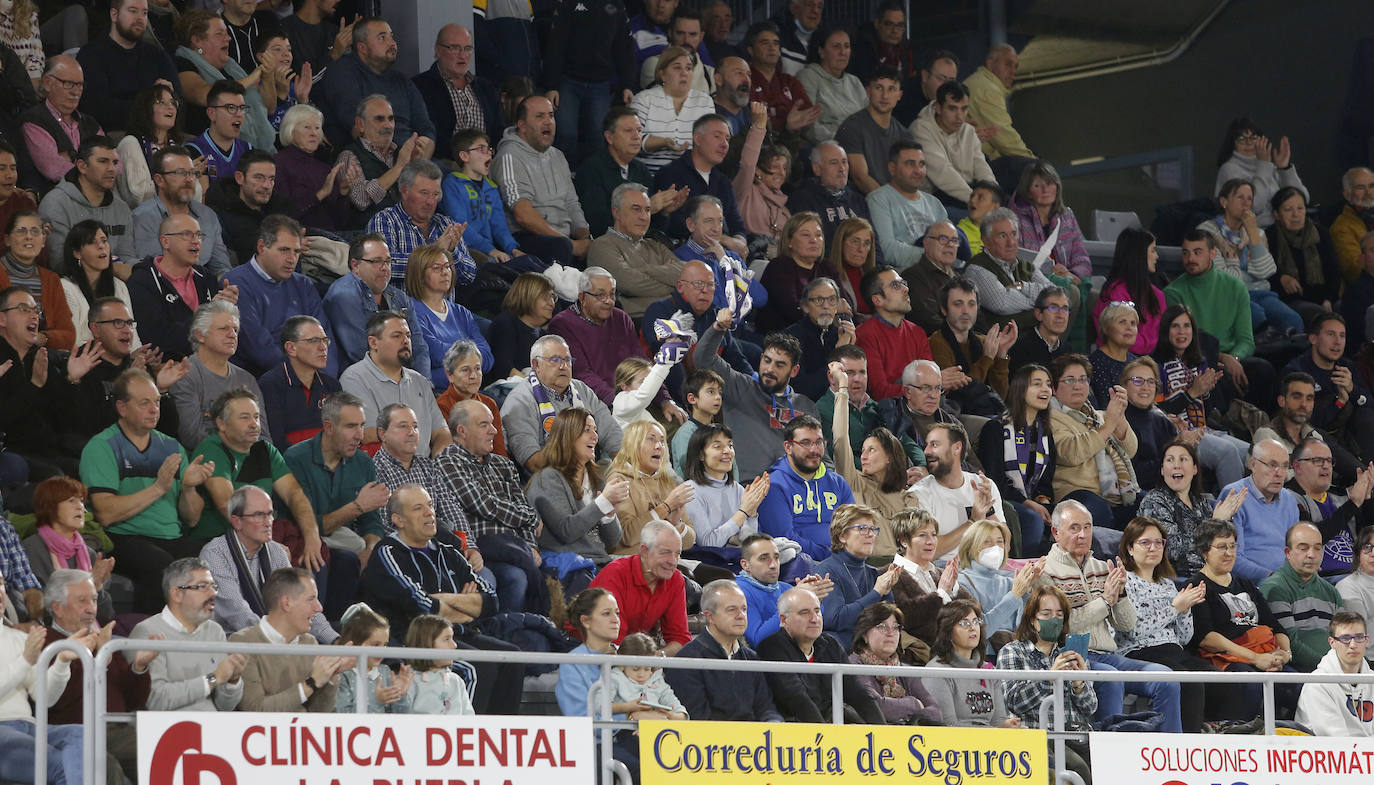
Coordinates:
(371, 192)
(1023, 698)
(466, 108)
(403, 236)
(490, 493)
(425, 472)
(14, 561)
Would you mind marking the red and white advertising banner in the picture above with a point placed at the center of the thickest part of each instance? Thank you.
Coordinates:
(250, 748)
(1220, 759)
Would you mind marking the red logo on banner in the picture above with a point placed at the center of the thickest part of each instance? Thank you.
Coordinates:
(181, 743)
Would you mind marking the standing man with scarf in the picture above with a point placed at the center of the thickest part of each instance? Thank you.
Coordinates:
(531, 407)
(758, 406)
(241, 559)
(983, 357)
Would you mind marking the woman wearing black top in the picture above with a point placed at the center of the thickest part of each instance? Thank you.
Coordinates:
(526, 309)
(1019, 456)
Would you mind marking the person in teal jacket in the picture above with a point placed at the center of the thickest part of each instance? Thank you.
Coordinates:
(471, 198)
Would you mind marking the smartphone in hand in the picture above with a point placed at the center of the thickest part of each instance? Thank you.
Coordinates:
(1078, 642)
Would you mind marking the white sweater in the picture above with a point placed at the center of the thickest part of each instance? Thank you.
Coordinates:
(18, 677)
(1337, 709)
(952, 160)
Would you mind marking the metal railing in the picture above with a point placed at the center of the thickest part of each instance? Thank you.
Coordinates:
(95, 683)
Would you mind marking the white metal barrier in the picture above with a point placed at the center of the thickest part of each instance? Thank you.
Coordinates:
(95, 670)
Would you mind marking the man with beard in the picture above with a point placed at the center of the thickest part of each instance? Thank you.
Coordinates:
(220, 144)
(1342, 407)
(190, 681)
(215, 337)
(529, 409)
(1339, 513)
(820, 332)
(339, 479)
(1292, 424)
(93, 369)
(954, 497)
(698, 170)
(370, 70)
(174, 177)
(1355, 221)
(758, 406)
(143, 488)
(88, 192)
(889, 339)
(982, 357)
(802, 492)
(381, 378)
(537, 187)
(733, 94)
(120, 64)
(49, 127)
(270, 292)
(242, 201)
(869, 133)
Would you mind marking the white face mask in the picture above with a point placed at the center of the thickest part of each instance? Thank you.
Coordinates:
(992, 557)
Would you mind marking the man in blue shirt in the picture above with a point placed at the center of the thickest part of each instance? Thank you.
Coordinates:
(1266, 515)
(365, 290)
(270, 292)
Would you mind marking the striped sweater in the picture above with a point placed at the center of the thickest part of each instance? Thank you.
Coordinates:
(1083, 584)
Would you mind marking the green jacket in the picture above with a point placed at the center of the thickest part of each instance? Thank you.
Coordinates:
(1304, 609)
(596, 178)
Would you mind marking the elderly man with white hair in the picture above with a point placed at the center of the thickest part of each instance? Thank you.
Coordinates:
(600, 335)
(1006, 285)
(1350, 227)
(829, 193)
(1268, 511)
(649, 589)
(214, 339)
(644, 270)
(551, 388)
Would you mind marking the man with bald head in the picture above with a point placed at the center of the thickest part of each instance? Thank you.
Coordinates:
(694, 293)
(1303, 602)
(166, 289)
(174, 178)
(457, 99)
(988, 89)
(1267, 513)
(55, 128)
(807, 697)
(537, 187)
(932, 271)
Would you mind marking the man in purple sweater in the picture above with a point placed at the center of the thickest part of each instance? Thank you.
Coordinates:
(600, 335)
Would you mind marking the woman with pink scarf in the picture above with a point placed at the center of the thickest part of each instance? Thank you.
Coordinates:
(59, 504)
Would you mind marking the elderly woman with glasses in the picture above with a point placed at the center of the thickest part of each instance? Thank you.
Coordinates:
(1233, 626)
(903, 700)
(1095, 446)
(1117, 327)
(853, 531)
(961, 642)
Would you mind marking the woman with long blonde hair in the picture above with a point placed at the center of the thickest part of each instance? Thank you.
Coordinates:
(655, 489)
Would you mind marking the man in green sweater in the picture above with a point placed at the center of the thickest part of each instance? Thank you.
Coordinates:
(1303, 602)
(1220, 306)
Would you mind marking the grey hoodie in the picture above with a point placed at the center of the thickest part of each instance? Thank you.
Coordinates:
(542, 178)
(747, 408)
(65, 206)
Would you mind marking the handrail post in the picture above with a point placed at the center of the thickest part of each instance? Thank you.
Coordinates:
(1058, 723)
(97, 701)
(607, 734)
(40, 712)
(1268, 688)
(837, 698)
(361, 686)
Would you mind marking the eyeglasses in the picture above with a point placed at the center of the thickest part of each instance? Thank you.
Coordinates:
(558, 361)
(1143, 381)
(1273, 467)
(481, 148)
(467, 50)
(1074, 381)
(809, 444)
(386, 260)
(1346, 640)
(1127, 303)
(178, 173)
(232, 108)
(269, 515)
(1367, 548)
(866, 528)
(1247, 137)
(1151, 544)
(166, 102)
(31, 231)
(970, 624)
(1316, 461)
(1229, 547)
(943, 239)
(831, 300)
(319, 340)
(890, 629)
(605, 297)
(701, 286)
(1064, 309)
(120, 324)
(926, 389)
(24, 309)
(187, 235)
(210, 586)
(68, 83)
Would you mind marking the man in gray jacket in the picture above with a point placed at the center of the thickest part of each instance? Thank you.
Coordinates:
(88, 192)
(536, 185)
(551, 390)
(757, 407)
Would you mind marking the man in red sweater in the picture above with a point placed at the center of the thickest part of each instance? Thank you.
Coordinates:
(649, 588)
(889, 340)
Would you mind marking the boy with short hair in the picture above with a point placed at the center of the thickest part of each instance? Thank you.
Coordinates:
(1341, 709)
(470, 197)
(227, 107)
(705, 394)
(986, 197)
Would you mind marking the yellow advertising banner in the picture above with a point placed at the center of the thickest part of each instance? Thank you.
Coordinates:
(739, 753)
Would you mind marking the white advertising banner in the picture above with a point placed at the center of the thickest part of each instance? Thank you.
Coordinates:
(1219, 759)
(248, 748)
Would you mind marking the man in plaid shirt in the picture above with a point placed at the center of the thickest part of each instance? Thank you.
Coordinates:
(399, 463)
(19, 577)
(488, 488)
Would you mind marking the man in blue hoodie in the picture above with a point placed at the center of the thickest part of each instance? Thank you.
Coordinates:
(803, 494)
(762, 566)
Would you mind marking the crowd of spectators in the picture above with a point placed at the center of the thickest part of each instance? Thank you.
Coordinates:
(685, 343)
